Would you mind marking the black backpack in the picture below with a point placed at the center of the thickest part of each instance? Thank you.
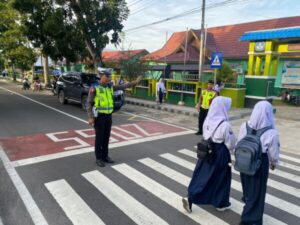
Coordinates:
(205, 148)
(248, 151)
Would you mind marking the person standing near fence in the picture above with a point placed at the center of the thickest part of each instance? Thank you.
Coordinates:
(207, 95)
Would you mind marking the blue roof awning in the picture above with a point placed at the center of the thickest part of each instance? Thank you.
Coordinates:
(282, 33)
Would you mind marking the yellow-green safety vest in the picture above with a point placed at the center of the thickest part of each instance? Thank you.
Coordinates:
(207, 96)
(103, 100)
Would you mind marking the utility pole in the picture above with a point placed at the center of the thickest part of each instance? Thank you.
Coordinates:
(201, 40)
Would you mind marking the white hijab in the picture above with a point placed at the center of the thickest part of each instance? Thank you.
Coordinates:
(216, 114)
(262, 116)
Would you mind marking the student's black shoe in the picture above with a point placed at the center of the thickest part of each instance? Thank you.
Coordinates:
(222, 209)
(186, 205)
(109, 160)
(100, 163)
(198, 133)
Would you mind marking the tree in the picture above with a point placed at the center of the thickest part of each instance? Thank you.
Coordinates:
(50, 28)
(225, 74)
(132, 67)
(13, 43)
(96, 20)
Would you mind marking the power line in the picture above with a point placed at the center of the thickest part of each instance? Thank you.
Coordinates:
(146, 6)
(186, 13)
(134, 3)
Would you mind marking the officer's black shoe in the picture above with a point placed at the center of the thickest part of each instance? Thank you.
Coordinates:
(198, 133)
(100, 163)
(109, 160)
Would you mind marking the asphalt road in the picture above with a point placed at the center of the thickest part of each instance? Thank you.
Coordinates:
(48, 173)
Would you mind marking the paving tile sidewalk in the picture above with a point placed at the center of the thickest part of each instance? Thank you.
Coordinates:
(185, 110)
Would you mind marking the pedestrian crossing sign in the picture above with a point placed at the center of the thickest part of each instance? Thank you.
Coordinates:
(216, 60)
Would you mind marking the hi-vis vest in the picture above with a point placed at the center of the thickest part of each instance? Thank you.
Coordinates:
(103, 100)
(207, 96)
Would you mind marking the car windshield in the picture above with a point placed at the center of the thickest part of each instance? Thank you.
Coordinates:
(88, 78)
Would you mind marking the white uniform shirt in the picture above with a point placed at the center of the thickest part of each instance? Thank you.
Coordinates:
(225, 134)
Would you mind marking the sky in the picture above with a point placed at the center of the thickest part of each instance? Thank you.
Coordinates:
(154, 37)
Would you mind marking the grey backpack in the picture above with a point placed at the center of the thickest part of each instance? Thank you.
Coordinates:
(248, 151)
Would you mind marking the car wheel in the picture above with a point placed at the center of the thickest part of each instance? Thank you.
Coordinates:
(84, 102)
(61, 97)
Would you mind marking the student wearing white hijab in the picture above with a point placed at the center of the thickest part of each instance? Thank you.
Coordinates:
(210, 184)
(255, 187)
(160, 90)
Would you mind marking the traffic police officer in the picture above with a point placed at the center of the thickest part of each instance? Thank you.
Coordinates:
(207, 95)
(100, 107)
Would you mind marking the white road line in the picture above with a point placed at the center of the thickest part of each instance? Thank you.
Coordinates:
(291, 158)
(49, 107)
(44, 158)
(25, 195)
(237, 206)
(1, 223)
(270, 199)
(271, 183)
(289, 166)
(72, 204)
(139, 213)
(199, 215)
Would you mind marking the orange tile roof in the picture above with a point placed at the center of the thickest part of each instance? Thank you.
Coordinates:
(224, 38)
(114, 56)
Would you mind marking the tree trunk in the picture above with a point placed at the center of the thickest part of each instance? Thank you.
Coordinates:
(46, 70)
(14, 73)
(68, 65)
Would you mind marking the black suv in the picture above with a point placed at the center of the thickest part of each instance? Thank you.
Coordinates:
(74, 86)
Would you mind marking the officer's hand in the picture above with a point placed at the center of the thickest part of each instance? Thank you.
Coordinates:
(272, 167)
(198, 107)
(91, 121)
(138, 79)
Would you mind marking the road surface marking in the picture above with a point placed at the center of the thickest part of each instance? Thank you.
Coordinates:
(139, 213)
(271, 183)
(174, 200)
(25, 195)
(270, 199)
(237, 206)
(44, 158)
(72, 204)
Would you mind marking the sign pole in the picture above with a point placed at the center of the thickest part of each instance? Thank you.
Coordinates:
(215, 76)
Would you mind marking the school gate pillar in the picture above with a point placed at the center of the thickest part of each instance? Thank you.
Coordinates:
(265, 48)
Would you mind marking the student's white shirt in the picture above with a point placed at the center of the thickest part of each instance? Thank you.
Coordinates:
(224, 133)
(270, 143)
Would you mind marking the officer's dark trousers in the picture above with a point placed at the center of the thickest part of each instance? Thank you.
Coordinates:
(102, 127)
(201, 118)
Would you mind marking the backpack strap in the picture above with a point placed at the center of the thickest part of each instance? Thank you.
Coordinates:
(215, 130)
(249, 129)
(261, 131)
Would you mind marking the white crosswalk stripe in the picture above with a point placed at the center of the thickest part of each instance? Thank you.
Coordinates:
(131, 207)
(80, 213)
(290, 158)
(168, 196)
(184, 180)
(272, 200)
(72, 204)
(271, 183)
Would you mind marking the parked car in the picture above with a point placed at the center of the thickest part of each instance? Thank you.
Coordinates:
(74, 86)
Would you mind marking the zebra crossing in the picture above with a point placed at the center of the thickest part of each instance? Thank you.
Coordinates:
(175, 167)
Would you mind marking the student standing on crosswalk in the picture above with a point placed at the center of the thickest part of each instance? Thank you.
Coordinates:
(211, 181)
(255, 186)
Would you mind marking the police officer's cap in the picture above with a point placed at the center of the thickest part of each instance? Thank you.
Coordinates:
(106, 72)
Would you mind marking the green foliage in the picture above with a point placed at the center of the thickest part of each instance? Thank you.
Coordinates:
(50, 28)
(131, 68)
(225, 74)
(13, 43)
